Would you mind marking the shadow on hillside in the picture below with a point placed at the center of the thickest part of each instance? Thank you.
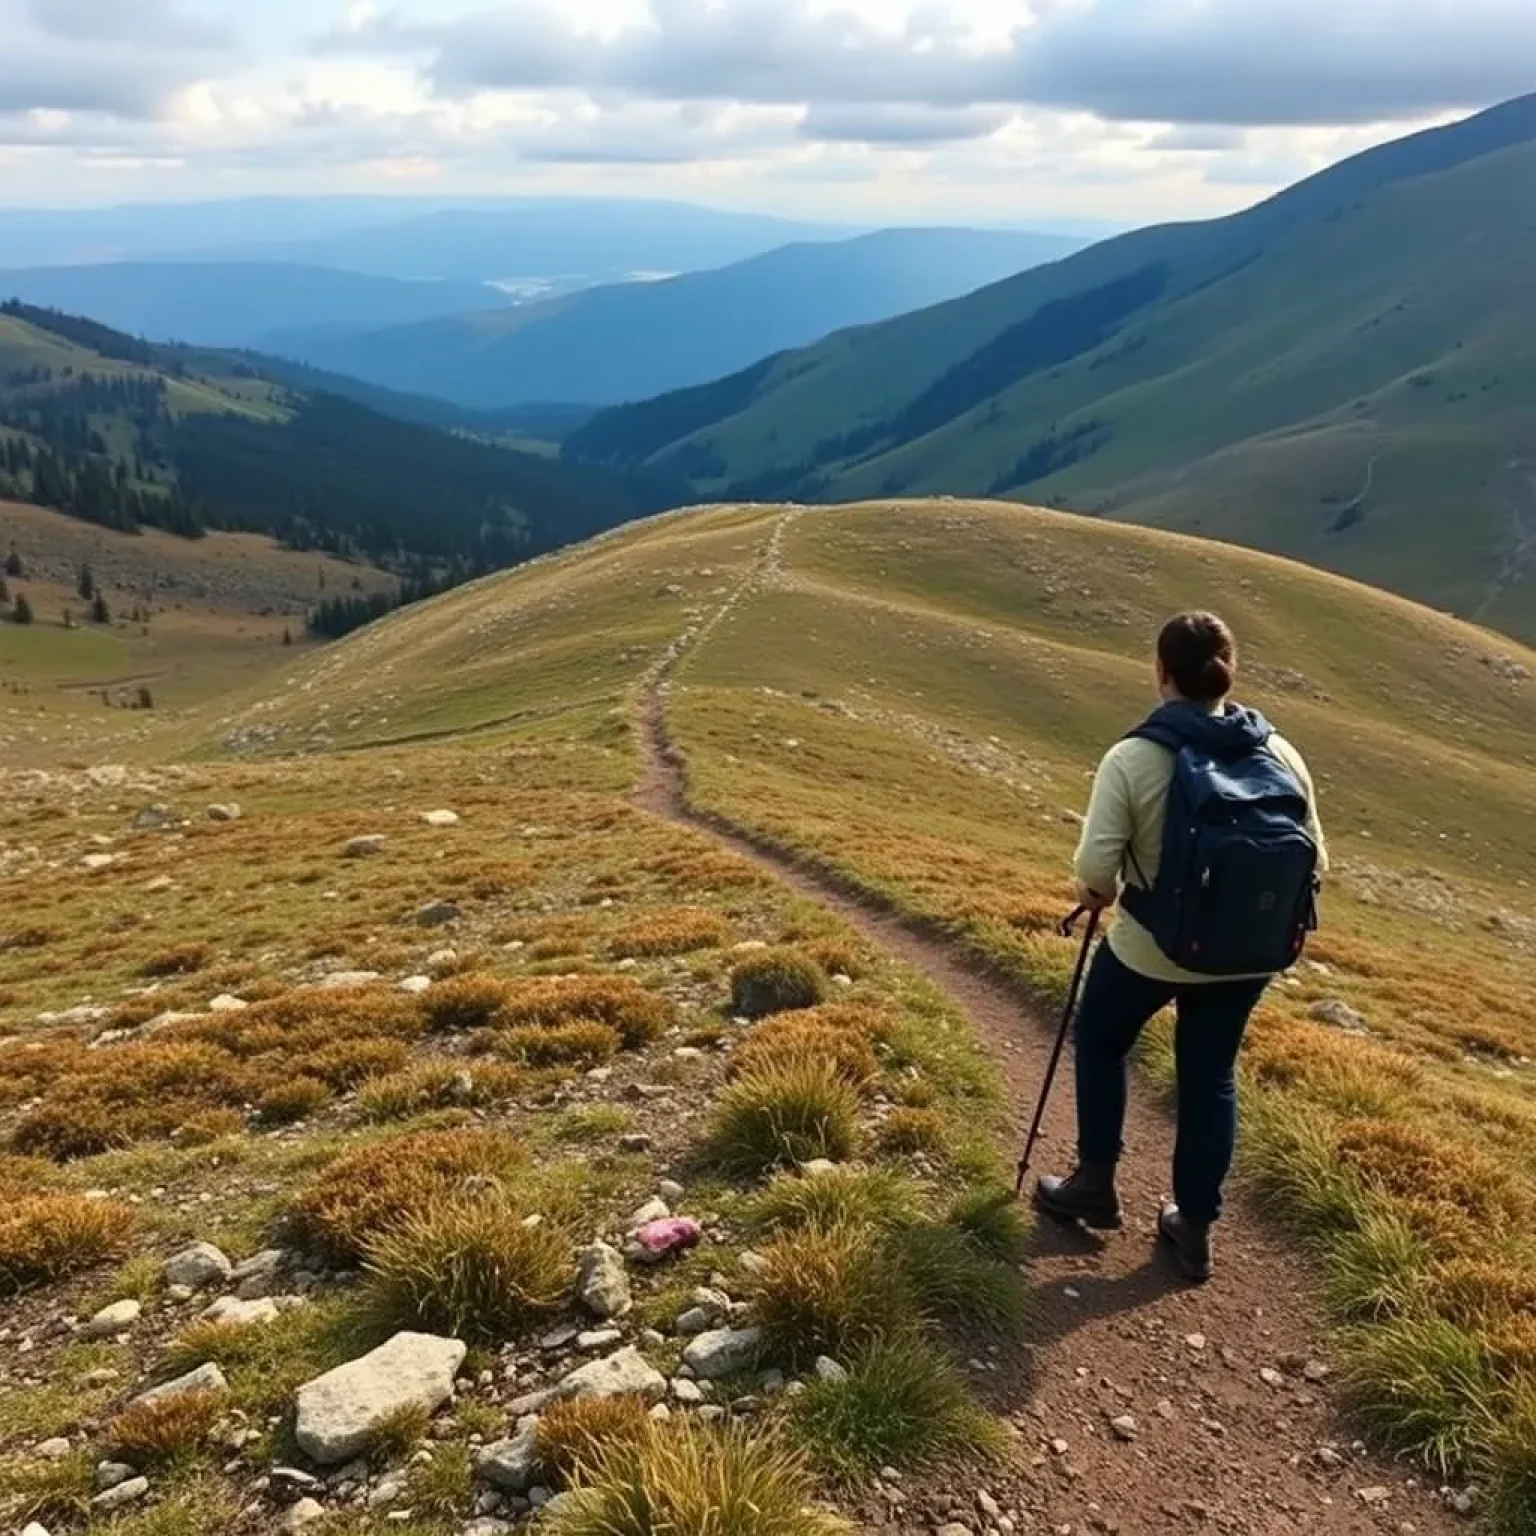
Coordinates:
(1055, 1316)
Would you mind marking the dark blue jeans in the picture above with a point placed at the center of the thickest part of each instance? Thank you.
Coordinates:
(1212, 1015)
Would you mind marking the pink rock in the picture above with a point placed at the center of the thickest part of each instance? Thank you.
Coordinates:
(672, 1234)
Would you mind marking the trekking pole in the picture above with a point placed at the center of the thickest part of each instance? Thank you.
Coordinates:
(1061, 1035)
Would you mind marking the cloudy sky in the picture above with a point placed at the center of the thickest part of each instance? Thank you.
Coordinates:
(994, 110)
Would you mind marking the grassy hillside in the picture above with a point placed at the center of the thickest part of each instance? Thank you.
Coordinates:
(124, 434)
(1337, 374)
(188, 620)
(634, 340)
(912, 694)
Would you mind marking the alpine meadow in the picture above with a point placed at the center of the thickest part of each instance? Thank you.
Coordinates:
(531, 908)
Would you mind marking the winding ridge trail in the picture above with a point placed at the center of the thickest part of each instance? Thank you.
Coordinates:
(1236, 1427)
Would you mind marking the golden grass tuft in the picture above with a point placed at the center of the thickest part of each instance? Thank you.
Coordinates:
(775, 981)
(826, 1291)
(178, 960)
(673, 931)
(689, 1478)
(439, 1084)
(45, 1237)
(165, 1430)
(474, 1267)
(1425, 1170)
(786, 1038)
(463, 1002)
(372, 1188)
(285, 1103)
(913, 1130)
(577, 1044)
(785, 1113)
(575, 1435)
(620, 1002)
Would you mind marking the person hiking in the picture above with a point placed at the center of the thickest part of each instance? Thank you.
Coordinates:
(1203, 825)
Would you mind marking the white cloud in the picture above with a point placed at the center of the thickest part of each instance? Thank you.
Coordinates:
(1125, 109)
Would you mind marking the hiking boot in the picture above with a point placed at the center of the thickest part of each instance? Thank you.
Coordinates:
(1087, 1196)
(1188, 1241)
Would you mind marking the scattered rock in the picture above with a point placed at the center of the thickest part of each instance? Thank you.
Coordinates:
(34, 1529)
(1124, 1426)
(1373, 1495)
(723, 1352)
(123, 1494)
(637, 1142)
(363, 847)
(617, 1375)
(440, 818)
(687, 1391)
(602, 1285)
(415, 985)
(1196, 1341)
(206, 1378)
(509, 1464)
(818, 1167)
(256, 1276)
(110, 1473)
(827, 1369)
(1271, 1377)
(1315, 1370)
(337, 1411)
(655, 1209)
(301, 1515)
(238, 1313)
(670, 1189)
(113, 1320)
(1335, 1011)
(228, 811)
(157, 818)
(93, 862)
(752, 1263)
(201, 1264)
(289, 1481)
(598, 1338)
(658, 1240)
(227, 1002)
(344, 981)
(436, 914)
(55, 1449)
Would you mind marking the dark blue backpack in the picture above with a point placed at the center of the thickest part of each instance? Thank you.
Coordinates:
(1236, 888)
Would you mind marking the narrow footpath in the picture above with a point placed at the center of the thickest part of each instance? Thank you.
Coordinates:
(1236, 1422)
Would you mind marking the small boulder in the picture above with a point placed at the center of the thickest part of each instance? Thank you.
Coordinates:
(1338, 1013)
(723, 1352)
(441, 818)
(300, 1515)
(654, 1209)
(828, 1370)
(201, 1264)
(509, 1464)
(624, 1374)
(157, 818)
(206, 1378)
(96, 861)
(362, 847)
(112, 1320)
(123, 1494)
(32, 1528)
(227, 1002)
(238, 1313)
(602, 1284)
(256, 1276)
(343, 981)
(337, 1411)
(228, 811)
(414, 986)
(436, 914)
(110, 1473)
(55, 1449)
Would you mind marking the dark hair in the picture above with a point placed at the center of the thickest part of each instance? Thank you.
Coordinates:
(1199, 654)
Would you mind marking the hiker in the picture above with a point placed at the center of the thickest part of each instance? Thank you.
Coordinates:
(1203, 825)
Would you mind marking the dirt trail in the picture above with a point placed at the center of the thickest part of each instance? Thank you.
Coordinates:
(1221, 1442)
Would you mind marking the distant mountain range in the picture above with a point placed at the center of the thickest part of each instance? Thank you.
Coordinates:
(1341, 373)
(463, 239)
(238, 304)
(626, 342)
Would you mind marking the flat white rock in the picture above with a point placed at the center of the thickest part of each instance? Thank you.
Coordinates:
(337, 1411)
(206, 1378)
(113, 1320)
(622, 1374)
(238, 1313)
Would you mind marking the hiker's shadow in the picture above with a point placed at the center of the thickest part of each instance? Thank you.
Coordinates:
(1055, 1316)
